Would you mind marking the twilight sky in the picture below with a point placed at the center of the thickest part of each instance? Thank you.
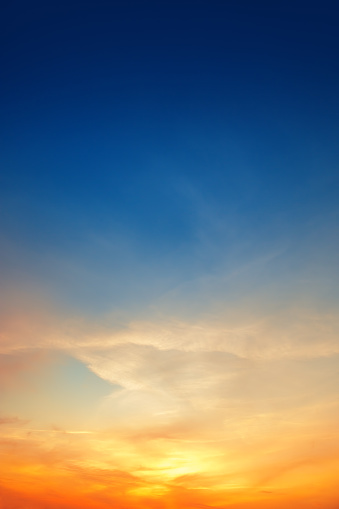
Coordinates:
(169, 299)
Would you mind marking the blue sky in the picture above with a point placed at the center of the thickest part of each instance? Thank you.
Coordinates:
(158, 141)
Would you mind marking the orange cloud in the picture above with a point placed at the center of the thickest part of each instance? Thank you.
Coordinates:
(207, 414)
(13, 365)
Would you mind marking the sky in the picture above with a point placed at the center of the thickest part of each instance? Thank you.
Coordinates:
(169, 301)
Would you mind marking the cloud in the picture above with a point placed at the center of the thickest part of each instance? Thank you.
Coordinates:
(12, 421)
(14, 365)
(244, 390)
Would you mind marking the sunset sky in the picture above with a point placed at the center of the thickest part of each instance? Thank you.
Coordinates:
(169, 292)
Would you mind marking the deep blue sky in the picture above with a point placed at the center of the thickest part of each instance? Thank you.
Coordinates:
(148, 143)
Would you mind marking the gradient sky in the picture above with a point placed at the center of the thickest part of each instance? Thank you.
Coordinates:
(169, 297)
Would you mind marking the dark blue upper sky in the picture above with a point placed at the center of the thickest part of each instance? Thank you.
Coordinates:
(162, 137)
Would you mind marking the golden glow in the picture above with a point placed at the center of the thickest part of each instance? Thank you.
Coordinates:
(170, 428)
